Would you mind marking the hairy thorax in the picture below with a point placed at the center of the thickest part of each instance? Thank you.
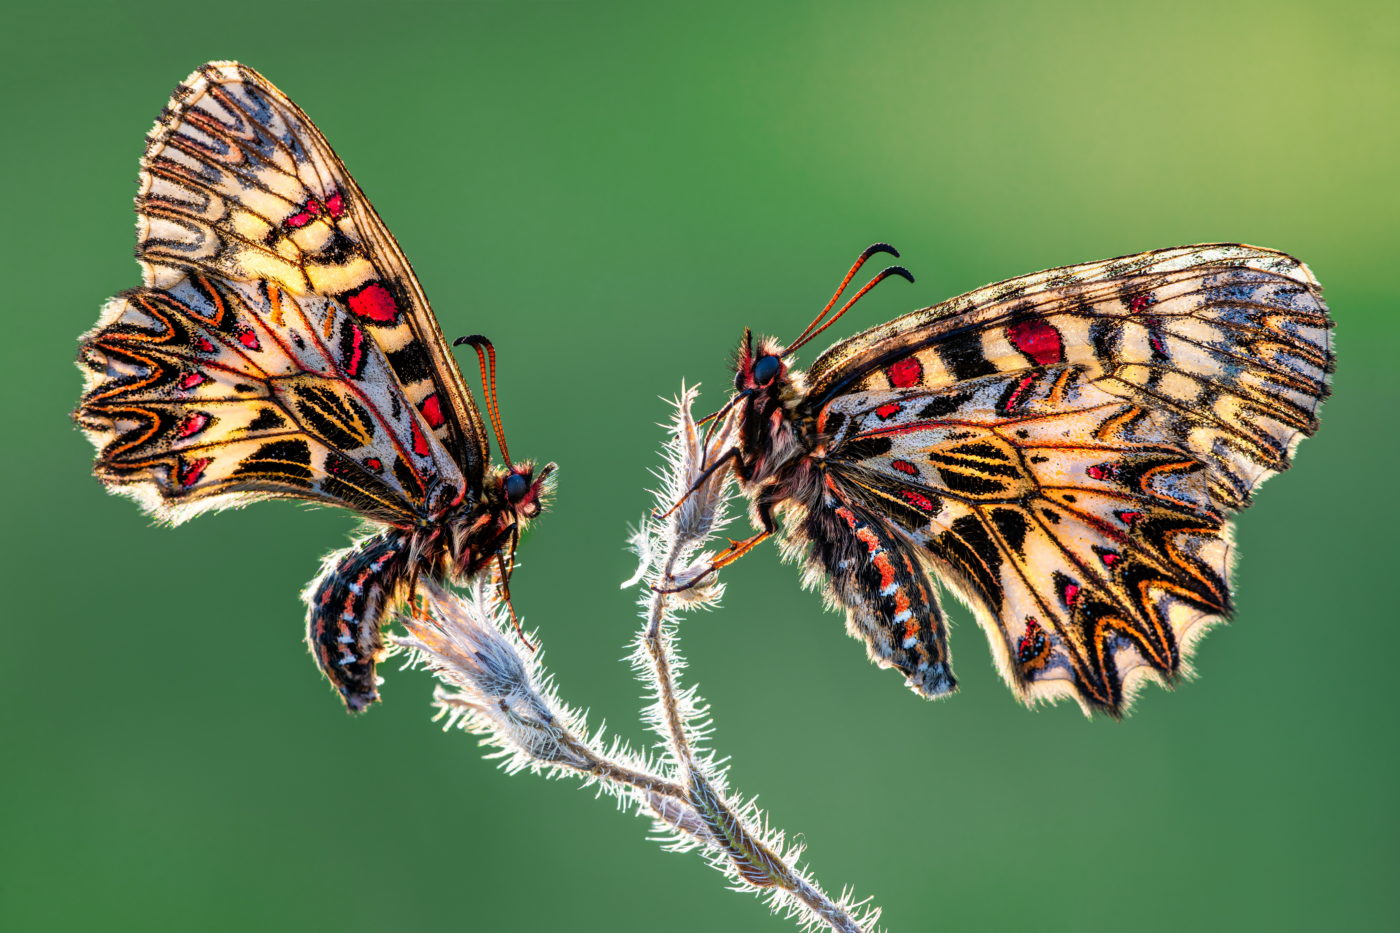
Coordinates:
(461, 541)
(776, 443)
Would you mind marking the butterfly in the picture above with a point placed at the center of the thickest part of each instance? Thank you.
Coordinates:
(1062, 451)
(281, 347)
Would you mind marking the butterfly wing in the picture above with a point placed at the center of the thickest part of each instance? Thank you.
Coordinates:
(1065, 449)
(211, 393)
(1229, 346)
(238, 183)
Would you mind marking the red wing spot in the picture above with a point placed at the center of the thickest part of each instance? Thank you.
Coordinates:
(1128, 518)
(313, 206)
(1038, 340)
(190, 380)
(203, 345)
(1102, 471)
(335, 205)
(432, 411)
(194, 422)
(420, 443)
(1158, 345)
(1139, 302)
(888, 410)
(1109, 558)
(1032, 643)
(190, 472)
(1018, 392)
(904, 466)
(1070, 593)
(917, 499)
(304, 216)
(375, 303)
(907, 372)
(357, 350)
(847, 516)
(375, 464)
(249, 338)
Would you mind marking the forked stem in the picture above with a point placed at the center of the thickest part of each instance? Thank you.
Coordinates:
(753, 861)
(503, 695)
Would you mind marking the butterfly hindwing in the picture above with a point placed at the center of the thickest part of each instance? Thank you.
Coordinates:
(1087, 544)
(238, 183)
(216, 392)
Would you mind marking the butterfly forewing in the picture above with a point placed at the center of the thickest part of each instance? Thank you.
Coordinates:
(238, 183)
(1229, 346)
(217, 392)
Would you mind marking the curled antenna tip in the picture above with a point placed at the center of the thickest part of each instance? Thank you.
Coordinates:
(874, 248)
(470, 338)
(899, 271)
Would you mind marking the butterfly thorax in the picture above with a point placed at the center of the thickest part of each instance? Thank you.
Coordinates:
(772, 438)
(463, 538)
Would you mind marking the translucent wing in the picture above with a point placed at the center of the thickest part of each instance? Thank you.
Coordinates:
(238, 183)
(1228, 346)
(1086, 542)
(212, 393)
(1065, 448)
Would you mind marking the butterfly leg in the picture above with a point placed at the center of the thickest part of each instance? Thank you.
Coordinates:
(740, 468)
(737, 549)
(345, 606)
(505, 593)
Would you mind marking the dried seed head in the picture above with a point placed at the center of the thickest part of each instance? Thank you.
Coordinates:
(493, 692)
(691, 503)
(691, 454)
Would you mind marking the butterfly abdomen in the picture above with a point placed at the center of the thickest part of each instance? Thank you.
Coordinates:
(357, 590)
(869, 572)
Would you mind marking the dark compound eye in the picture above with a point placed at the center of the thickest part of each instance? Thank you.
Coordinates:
(766, 370)
(516, 487)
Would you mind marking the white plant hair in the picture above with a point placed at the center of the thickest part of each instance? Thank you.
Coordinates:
(493, 690)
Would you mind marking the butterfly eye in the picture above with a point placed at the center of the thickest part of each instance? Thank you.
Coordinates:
(766, 370)
(516, 487)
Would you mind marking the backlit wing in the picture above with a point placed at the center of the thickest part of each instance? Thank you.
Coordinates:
(1228, 346)
(1065, 449)
(211, 393)
(237, 183)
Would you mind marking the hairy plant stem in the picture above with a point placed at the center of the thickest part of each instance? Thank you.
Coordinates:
(599, 766)
(756, 863)
(493, 690)
(661, 667)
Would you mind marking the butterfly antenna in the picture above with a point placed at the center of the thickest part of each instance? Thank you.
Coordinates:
(486, 357)
(884, 274)
(865, 254)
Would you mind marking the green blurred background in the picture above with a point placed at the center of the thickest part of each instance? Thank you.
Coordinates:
(612, 191)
